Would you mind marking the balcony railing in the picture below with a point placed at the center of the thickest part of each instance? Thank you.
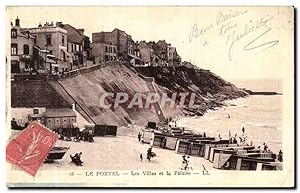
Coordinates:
(26, 57)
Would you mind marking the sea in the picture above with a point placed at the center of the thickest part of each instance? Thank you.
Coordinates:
(260, 115)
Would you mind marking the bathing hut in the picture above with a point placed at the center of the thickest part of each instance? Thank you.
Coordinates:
(171, 142)
(159, 140)
(147, 136)
(212, 144)
(105, 130)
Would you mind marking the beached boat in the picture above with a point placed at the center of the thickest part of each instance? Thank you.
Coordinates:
(56, 153)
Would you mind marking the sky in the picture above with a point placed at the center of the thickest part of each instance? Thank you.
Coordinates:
(233, 42)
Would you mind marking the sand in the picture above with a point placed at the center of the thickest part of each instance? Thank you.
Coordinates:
(121, 153)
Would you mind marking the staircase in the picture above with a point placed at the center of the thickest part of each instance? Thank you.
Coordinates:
(71, 100)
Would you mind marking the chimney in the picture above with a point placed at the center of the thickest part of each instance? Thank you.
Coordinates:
(81, 31)
(18, 22)
(58, 24)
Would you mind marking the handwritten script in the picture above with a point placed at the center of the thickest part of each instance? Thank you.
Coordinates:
(249, 28)
(232, 31)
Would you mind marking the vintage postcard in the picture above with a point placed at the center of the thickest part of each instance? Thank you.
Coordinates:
(150, 96)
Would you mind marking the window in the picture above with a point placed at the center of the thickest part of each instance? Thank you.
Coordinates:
(34, 39)
(13, 33)
(48, 39)
(15, 67)
(63, 40)
(14, 49)
(35, 111)
(26, 49)
(63, 55)
(106, 48)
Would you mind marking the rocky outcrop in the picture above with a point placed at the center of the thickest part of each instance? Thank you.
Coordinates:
(250, 92)
(210, 89)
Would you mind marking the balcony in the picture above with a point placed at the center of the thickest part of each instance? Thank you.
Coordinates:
(26, 57)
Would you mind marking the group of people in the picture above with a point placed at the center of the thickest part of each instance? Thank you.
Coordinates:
(150, 154)
(84, 135)
(185, 163)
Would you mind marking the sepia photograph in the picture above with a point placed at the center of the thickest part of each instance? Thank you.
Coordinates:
(150, 96)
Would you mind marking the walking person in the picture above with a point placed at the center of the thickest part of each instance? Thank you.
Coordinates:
(139, 136)
(149, 153)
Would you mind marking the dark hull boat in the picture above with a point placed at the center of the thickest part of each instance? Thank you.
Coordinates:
(56, 153)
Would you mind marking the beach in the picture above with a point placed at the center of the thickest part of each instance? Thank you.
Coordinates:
(121, 153)
(260, 120)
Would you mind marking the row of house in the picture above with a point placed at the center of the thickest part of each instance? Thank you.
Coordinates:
(59, 47)
(118, 45)
(48, 48)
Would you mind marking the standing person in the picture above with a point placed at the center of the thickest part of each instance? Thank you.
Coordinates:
(90, 136)
(265, 147)
(280, 156)
(149, 153)
(234, 139)
(141, 157)
(139, 136)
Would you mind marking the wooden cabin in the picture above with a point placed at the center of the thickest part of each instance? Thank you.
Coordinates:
(147, 136)
(159, 140)
(182, 146)
(151, 125)
(171, 142)
(59, 118)
(212, 144)
(239, 159)
(105, 130)
(190, 147)
(222, 154)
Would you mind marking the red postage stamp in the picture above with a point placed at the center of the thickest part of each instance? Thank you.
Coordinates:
(30, 148)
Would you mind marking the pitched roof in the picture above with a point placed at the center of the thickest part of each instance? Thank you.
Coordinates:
(60, 112)
(73, 35)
